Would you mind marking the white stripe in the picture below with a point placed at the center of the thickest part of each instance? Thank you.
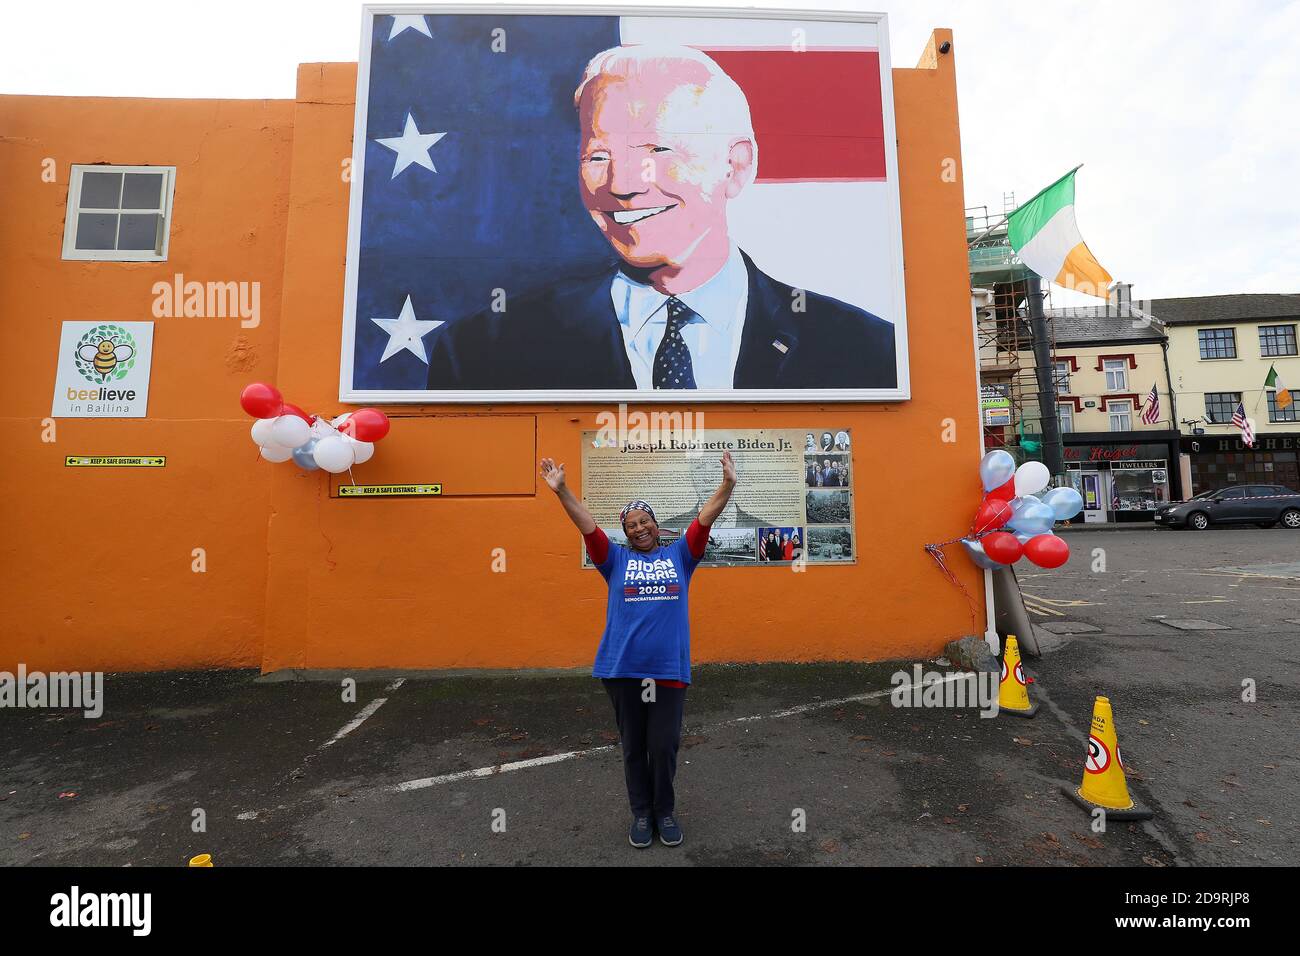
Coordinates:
(498, 768)
(423, 782)
(1047, 249)
(366, 713)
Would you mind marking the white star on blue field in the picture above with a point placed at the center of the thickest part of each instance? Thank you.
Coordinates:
(406, 332)
(411, 147)
(402, 22)
(493, 204)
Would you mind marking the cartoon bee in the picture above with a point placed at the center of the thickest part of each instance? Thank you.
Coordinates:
(105, 356)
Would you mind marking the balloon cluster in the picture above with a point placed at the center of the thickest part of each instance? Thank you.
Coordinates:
(1011, 502)
(284, 431)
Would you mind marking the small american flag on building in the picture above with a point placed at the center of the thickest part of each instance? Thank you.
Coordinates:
(1151, 413)
(1241, 421)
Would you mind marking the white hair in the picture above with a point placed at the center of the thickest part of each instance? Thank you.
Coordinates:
(718, 103)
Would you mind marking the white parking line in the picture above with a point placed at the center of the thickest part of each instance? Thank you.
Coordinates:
(366, 713)
(492, 771)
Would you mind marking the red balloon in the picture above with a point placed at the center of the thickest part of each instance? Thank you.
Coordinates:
(1006, 492)
(1046, 550)
(261, 400)
(291, 409)
(367, 424)
(992, 513)
(1002, 547)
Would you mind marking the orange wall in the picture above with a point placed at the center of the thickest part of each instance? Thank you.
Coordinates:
(300, 579)
(96, 562)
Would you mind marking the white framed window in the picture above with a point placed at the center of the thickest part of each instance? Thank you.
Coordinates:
(1121, 416)
(1116, 374)
(119, 213)
(1061, 375)
(1065, 412)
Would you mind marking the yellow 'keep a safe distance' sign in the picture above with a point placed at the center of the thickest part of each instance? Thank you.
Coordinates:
(115, 461)
(388, 491)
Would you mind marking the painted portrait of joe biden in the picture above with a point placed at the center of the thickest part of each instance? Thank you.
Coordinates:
(666, 145)
(617, 236)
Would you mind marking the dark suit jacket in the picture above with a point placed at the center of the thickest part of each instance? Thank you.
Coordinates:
(567, 336)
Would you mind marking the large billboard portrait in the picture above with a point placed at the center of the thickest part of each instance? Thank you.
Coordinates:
(615, 207)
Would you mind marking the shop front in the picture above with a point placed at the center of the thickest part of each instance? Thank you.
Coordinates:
(1221, 460)
(1122, 480)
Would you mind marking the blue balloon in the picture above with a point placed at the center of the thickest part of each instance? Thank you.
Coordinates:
(996, 469)
(304, 457)
(1064, 502)
(975, 551)
(1031, 516)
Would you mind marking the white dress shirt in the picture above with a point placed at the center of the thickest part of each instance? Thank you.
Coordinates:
(713, 335)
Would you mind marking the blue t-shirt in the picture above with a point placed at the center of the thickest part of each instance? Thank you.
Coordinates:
(647, 627)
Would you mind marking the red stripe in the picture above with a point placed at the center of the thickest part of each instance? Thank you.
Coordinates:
(817, 115)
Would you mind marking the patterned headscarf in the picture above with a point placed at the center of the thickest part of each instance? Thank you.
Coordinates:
(637, 506)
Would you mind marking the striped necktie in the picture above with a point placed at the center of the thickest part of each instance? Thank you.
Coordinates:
(673, 367)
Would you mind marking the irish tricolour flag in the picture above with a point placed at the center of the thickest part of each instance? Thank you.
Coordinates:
(1282, 393)
(1043, 232)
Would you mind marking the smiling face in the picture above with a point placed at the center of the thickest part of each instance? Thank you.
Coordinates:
(641, 530)
(657, 165)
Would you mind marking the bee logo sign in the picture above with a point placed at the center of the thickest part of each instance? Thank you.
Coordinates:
(103, 370)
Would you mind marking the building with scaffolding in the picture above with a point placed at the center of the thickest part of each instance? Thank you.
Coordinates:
(1069, 385)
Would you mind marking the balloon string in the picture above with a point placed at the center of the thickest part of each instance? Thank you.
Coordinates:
(936, 551)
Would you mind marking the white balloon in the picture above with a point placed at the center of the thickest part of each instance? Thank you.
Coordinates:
(262, 431)
(289, 431)
(1031, 478)
(340, 423)
(277, 453)
(334, 454)
(321, 429)
(363, 451)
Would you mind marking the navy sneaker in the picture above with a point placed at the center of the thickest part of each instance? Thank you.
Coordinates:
(641, 836)
(670, 834)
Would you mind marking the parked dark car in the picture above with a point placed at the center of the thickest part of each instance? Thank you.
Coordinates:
(1262, 505)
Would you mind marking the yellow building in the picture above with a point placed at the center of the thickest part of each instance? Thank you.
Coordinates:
(1220, 351)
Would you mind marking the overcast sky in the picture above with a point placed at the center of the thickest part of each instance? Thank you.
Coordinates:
(1184, 114)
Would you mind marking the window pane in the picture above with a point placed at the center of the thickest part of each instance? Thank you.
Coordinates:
(139, 231)
(1277, 340)
(96, 230)
(100, 190)
(1219, 406)
(1217, 343)
(142, 191)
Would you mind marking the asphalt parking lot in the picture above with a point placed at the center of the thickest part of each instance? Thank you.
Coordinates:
(520, 769)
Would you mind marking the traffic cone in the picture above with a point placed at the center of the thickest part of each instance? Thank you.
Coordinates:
(1013, 694)
(1104, 784)
(203, 859)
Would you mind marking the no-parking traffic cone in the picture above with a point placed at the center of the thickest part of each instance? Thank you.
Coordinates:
(1104, 784)
(1013, 694)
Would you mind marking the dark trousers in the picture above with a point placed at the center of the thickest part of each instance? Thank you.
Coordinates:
(651, 734)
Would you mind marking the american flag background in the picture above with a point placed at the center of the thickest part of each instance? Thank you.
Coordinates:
(1151, 413)
(465, 170)
(1241, 421)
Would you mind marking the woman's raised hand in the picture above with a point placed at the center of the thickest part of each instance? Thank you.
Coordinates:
(728, 469)
(553, 474)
